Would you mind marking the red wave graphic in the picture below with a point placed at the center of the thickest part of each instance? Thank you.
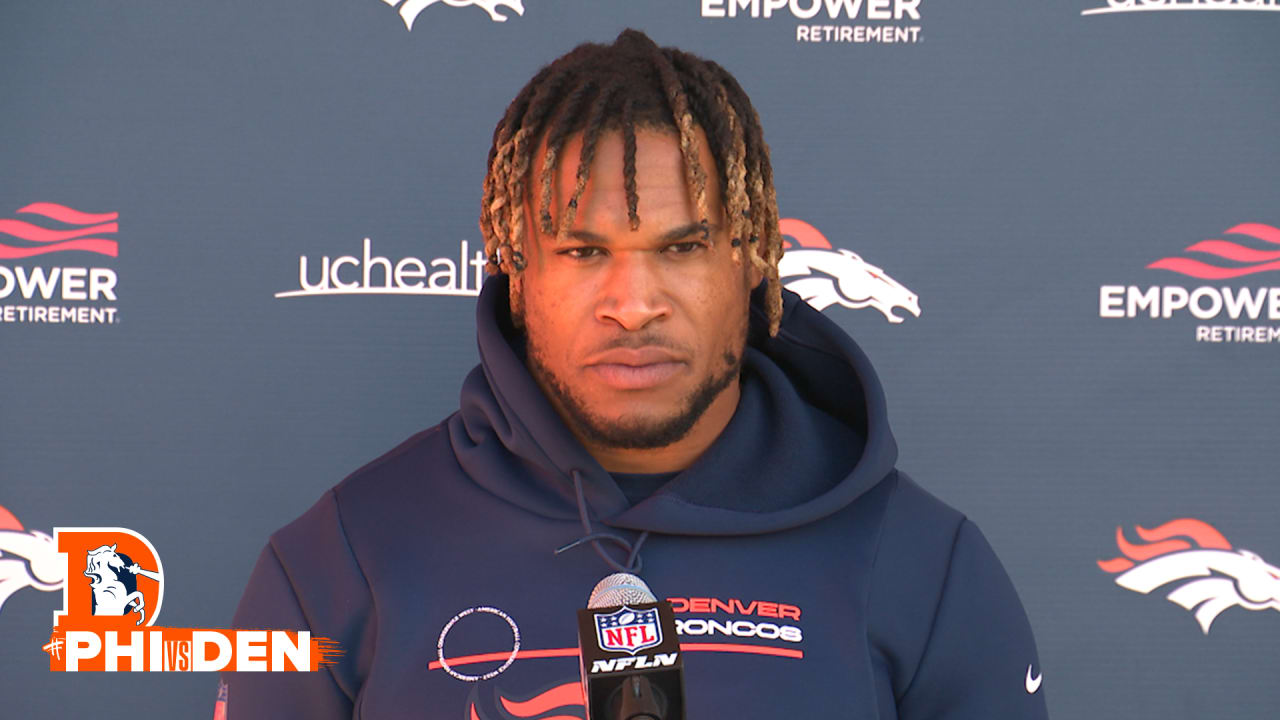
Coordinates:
(1258, 230)
(1264, 260)
(97, 245)
(1201, 532)
(1204, 271)
(8, 521)
(557, 697)
(1146, 552)
(1115, 565)
(805, 234)
(62, 213)
(1232, 251)
(1159, 542)
(35, 233)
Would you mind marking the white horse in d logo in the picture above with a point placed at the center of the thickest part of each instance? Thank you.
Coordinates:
(115, 587)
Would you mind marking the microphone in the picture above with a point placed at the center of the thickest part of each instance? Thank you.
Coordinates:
(631, 663)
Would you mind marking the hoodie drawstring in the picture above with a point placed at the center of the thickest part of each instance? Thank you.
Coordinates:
(634, 562)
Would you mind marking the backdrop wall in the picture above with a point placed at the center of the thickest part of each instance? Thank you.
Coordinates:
(1076, 202)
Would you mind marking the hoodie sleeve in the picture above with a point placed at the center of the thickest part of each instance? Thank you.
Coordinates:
(306, 578)
(979, 660)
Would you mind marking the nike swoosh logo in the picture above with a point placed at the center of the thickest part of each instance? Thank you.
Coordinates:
(1033, 683)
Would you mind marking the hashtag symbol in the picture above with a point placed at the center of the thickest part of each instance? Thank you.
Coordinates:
(54, 648)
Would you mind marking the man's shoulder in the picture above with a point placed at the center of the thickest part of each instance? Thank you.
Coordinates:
(914, 511)
(390, 479)
(918, 536)
(405, 462)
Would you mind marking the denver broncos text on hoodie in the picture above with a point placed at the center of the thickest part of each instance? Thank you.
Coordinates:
(810, 578)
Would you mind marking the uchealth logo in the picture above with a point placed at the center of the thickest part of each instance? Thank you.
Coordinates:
(856, 22)
(1206, 574)
(1133, 6)
(411, 9)
(368, 273)
(826, 276)
(38, 286)
(113, 591)
(1246, 253)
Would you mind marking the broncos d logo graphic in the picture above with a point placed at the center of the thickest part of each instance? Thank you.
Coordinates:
(412, 8)
(1211, 576)
(28, 558)
(824, 276)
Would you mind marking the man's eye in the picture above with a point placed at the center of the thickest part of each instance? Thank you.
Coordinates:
(581, 253)
(684, 248)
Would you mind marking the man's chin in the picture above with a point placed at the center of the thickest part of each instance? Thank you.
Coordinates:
(645, 419)
(632, 433)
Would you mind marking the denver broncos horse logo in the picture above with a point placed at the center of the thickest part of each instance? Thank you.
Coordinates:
(28, 558)
(824, 276)
(1216, 577)
(412, 8)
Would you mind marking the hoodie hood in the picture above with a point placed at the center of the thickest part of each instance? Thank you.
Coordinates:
(809, 436)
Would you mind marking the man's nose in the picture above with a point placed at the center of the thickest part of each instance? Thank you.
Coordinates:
(633, 293)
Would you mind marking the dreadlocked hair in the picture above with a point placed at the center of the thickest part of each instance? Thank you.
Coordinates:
(629, 85)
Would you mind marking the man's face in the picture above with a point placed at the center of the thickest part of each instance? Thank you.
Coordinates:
(633, 335)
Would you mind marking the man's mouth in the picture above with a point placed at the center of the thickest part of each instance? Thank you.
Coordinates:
(635, 368)
(635, 377)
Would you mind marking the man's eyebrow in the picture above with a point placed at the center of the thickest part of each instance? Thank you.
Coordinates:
(674, 235)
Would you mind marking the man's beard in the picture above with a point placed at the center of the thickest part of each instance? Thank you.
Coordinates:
(634, 433)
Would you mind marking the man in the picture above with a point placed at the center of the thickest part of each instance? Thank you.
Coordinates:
(648, 400)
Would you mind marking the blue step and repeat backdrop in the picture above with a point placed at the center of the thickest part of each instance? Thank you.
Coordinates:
(239, 255)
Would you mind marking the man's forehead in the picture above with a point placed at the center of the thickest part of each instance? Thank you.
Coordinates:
(568, 157)
(658, 178)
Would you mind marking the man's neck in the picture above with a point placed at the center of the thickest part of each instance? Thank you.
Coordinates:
(678, 455)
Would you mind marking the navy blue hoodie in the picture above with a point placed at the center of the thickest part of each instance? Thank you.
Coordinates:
(810, 579)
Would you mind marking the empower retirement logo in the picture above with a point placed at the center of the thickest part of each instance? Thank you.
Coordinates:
(39, 286)
(1231, 268)
(848, 22)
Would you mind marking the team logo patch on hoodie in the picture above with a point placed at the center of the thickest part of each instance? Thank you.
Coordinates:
(1208, 575)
